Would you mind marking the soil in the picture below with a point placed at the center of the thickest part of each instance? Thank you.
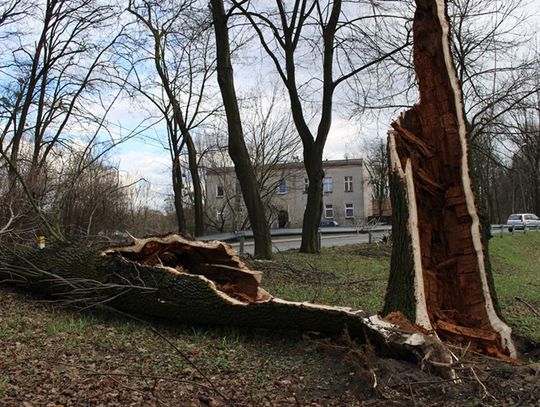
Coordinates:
(53, 356)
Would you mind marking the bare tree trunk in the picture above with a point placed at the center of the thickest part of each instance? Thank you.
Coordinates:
(175, 148)
(440, 275)
(177, 191)
(312, 214)
(237, 147)
(196, 179)
(180, 121)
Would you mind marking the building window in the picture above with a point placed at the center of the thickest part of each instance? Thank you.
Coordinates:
(282, 187)
(220, 192)
(306, 185)
(219, 214)
(327, 184)
(348, 183)
(349, 210)
(329, 211)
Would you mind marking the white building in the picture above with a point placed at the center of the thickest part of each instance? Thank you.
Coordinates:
(346, 195)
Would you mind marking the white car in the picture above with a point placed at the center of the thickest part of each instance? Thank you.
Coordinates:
(522, 220)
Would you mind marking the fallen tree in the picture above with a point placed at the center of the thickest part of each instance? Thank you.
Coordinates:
(440, 274)
(197, 282)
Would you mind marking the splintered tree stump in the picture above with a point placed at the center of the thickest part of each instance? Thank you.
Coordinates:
(440, 274)
(174, 278)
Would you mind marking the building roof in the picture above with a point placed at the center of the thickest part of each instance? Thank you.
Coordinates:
(299, 165)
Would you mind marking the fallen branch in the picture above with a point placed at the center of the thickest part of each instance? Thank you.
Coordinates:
(534, 310)
(482, 385)
(6, 228)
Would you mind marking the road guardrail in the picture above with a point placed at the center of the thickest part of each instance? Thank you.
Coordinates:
(242, 235)
(500, 229)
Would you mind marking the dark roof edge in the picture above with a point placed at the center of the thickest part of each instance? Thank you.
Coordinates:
(299, 165)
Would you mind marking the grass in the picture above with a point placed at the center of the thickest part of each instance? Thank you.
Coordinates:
(516, 269)
(353, 276)
(49, 351)
(356, 276)
(55, 354)
(3, 386)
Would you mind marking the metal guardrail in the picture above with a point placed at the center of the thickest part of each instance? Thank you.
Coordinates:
(512, 229)
(241, 236)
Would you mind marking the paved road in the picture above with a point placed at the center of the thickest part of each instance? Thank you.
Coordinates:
(293, 242)
(286, 243)
(338, 239)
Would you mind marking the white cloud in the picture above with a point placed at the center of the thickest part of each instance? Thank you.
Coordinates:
(347, 137)
(151, 164)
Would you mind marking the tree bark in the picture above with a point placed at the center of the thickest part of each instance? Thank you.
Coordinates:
(237, 147)
(440, 274)
(313, 211)
(177, 185)
(314, 146)
(197, 282)
(198, 204)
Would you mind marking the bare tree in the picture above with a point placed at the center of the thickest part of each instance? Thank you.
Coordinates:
(56, 74)
(440, 275)
(237, 146)
(56, 94)
(525, 162)
(326, 32)
(180, 52)
(12, 11)
(376, 161)
(497, 72)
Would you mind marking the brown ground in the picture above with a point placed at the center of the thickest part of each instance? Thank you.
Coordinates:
(50, 356)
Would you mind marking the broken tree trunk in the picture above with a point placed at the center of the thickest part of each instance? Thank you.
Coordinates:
(440, 275)
(196, 282)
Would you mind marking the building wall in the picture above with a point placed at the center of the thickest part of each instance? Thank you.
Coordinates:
(291, 196)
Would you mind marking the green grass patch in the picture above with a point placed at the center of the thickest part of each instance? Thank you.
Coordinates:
(3, 386)
(516, 270)
(353, 276)
(70, 324)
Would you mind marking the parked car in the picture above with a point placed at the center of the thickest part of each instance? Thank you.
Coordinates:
(328, 223)
(520, 220)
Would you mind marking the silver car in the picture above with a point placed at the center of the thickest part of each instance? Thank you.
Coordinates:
(522, 220)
